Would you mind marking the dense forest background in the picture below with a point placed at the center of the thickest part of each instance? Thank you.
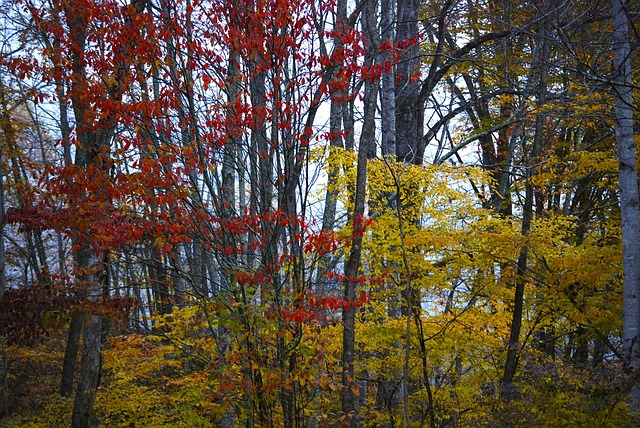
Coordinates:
(268, 213)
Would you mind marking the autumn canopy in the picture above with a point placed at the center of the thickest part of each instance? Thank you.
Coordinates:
(319, 213)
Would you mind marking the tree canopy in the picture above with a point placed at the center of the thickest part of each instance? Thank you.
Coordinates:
(319, 213)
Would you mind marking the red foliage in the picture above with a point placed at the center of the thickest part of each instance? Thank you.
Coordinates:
(312, 308)
(28, 313)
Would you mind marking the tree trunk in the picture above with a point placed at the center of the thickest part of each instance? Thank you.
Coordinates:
(630, 214)
(409, 112)
(70, 354)
(335, 124)
(387, 90)
(352, 266)
(83, 413)
(4, 363)
(513, 346)
(7, 130)
(93, 146)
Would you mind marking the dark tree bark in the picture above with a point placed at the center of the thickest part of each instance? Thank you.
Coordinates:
(387, 87)
(352, 267)
(408, 109)
(83, 413)
(90, 144)
(69, 364)
(335, 122)
(93, 143)
(542, 67)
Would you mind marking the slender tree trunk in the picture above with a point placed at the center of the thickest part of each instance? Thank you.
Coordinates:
(629, 204)
(4, 363)
(513, 346)
(74, 334)
(350, 284)
(387, 89)
(71, 354)
(3, 280)
(335, 125)
(8, 131)
(352, 266)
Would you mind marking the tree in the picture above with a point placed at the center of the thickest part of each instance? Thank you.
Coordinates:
(468, 276)
(629, 202)
(92, 150)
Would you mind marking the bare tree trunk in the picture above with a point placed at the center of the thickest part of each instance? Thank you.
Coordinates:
(74, 334)
(513, 346)
(335, 125)
(409, 112)
(349, 313)
(7, 130)
(70, 354)
(88, 146)
(83, 413)
(4, 363)
(352, 266)
(3, 279)
(387, 90)
(630, 214)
